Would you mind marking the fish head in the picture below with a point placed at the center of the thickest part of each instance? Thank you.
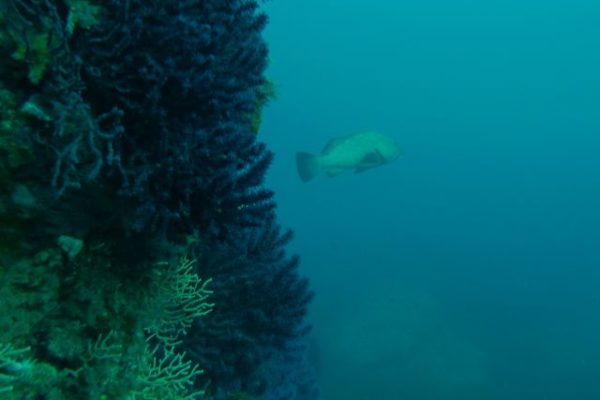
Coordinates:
(390, 150)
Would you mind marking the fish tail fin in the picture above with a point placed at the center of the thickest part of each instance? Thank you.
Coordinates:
(308, 165)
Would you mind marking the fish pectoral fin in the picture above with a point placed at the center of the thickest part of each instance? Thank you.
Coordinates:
(370, 160)
(373, 159)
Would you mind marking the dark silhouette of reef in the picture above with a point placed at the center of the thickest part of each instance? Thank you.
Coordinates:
(156, 99)
(127, 142)
(260, 309)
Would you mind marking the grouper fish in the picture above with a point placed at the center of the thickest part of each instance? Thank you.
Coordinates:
(358, 152)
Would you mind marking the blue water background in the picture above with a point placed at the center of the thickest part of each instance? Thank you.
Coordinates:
(470, 268)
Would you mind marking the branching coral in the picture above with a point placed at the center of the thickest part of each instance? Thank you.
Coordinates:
(178, 297)
(20, 373)
(168, 376)
(260, 305)
(174, 297)
(11, 362)
(152, 99)
(104, 337)
(186, 76)
(139, 122)
(160, 373)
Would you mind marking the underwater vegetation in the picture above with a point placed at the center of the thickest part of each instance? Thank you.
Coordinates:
(155, 98)
(269, 327)
(140, 255)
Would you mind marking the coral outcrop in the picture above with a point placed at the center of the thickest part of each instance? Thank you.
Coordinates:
(128, 142)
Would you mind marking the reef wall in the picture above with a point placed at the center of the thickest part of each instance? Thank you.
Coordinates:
(140, 254)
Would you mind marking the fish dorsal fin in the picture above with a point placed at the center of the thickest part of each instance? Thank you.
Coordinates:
(370, 160)
(331, 144)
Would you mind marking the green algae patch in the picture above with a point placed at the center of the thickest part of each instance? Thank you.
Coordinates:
(265, 94)
(82, 14)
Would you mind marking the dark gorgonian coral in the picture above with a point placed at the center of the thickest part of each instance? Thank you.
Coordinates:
(153, 99)
(133, 123)
(253, 341)
(186, 75)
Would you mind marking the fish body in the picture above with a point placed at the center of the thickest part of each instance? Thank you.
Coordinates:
(358, 152)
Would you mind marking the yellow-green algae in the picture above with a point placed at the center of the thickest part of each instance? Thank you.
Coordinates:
(32, 44)
(83, 14)
(266, 93)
